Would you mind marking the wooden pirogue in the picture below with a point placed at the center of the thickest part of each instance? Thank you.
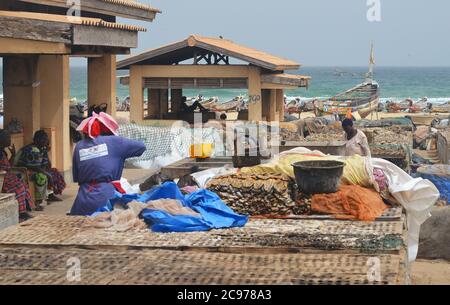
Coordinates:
(291, 251)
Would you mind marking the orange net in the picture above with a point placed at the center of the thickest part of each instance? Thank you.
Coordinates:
(351, 202)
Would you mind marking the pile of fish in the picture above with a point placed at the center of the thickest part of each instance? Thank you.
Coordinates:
(289, 135)
(330, 136)
(256, 195)
(396, 151)
(389, 135)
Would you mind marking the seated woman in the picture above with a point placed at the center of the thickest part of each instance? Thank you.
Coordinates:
(35, 158)
(12, 183)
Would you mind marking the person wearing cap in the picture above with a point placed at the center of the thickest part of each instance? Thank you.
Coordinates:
(98, 162)
(357, 143)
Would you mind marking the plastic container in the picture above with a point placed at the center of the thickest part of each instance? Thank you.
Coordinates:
(201, 151)
(318, 177)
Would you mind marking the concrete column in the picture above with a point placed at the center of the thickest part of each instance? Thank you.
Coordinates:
(280, 104)
(154, 96)
(21, 92)
(136, 95)
(163, 102)
(55, 100)
(102, 81)
(175, 98)
(254, 91)
(266, 109)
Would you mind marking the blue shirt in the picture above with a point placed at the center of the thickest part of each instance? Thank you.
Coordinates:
(96, 163)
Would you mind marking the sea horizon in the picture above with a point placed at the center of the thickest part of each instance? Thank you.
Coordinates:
(396, 83)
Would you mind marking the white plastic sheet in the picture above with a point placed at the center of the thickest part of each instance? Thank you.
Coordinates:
(416, 195)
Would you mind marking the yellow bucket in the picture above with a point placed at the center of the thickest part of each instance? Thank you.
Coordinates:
(201, 151)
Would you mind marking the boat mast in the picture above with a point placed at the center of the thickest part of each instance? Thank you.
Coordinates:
(369, 75)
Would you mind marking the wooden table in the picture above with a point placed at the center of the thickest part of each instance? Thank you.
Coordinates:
(265, 251)
(183, 167)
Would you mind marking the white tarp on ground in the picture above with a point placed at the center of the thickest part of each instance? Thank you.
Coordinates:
(416, 195)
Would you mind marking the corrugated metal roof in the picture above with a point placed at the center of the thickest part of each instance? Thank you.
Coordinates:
(73, 20)
(217, 45)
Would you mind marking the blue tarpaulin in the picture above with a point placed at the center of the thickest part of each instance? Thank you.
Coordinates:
(439, 174)
(215, 214)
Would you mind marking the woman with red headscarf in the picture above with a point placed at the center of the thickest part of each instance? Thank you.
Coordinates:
(98, 162)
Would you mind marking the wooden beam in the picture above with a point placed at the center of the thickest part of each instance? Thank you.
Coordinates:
(40, 30)
(25, 46)
(102, 7)
(275, 86)
(286, 79)
(94, 51)
(97, 36)
(195, 71)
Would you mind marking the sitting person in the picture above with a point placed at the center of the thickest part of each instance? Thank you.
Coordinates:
(35, 158)
(12, 183)
(189, 109)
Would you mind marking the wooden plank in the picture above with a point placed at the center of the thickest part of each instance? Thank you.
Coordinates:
(39, 30)
(25, 46)
(98, 36)
(102, 7)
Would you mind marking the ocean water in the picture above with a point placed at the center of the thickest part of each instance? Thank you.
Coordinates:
(396, 83)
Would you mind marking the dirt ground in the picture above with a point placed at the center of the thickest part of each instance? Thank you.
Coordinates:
(427, 272)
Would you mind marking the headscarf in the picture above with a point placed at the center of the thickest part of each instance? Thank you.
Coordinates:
(97, 124)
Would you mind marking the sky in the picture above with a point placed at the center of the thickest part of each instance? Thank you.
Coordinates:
(312, 32)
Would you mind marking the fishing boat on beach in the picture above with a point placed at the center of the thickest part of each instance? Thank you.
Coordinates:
(442, 108)
(210, 103)
(235, 104)
(363, 98)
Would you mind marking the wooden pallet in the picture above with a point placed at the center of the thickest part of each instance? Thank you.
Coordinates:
(265, 251)
(38, 266)
(268, 235)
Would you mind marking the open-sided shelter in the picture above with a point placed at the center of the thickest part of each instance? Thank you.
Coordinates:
(164, 71)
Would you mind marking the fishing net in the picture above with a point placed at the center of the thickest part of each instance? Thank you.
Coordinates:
(169, 142)
(351, 202)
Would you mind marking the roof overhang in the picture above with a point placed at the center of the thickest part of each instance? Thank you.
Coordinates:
(182, 50)
(123, 8)
(82, 32)
(284, 79)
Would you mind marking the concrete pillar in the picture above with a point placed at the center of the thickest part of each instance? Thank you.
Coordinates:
(266, 97)
(55, 100)
(102, 81)
(21, 92)
(255, 95)
(136, 95)
(175, 99)
(280, 104)
(163, 102)
(154, 96)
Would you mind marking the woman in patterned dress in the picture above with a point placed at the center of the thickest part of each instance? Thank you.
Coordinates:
(12, 183)
(35, 158)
